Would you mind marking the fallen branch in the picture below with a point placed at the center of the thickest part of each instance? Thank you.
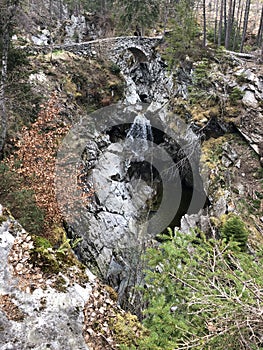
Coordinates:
(242, 54)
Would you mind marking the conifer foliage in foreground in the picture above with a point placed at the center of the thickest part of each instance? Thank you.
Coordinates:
(203, 294)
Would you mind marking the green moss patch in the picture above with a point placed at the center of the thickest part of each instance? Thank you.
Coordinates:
(127, 331)
(53, 261)
(2, 219)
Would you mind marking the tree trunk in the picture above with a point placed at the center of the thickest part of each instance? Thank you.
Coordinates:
(260, 29)
(3, 114)
(60, 10)
(229, 25)
(204, 24)
(216, 21)
(103, 6)
(50, 7)
(239, 20)
(166, 8)
(245, 25)
(220, 28)
(7, 15)
(233, 12)
(225, 18)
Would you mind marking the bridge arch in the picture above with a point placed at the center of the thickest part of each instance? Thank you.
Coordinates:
(141, 47)
(138, 54)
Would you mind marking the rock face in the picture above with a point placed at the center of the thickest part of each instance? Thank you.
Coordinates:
(108, 228)
(34, 314)
(116, 180)
(55, 22)
(231, 168)
(239, 86)
(147, 78)
(116, 221)
(251, 121)
(111, 221)
(124, 173)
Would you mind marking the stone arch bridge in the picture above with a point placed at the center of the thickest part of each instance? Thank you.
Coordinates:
(140, 47)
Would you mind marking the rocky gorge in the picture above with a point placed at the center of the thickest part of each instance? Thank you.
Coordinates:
(181, 149)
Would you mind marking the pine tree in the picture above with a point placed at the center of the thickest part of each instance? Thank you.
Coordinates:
(203, 294)
(235, 229)
(220, 27)
(239, 15)
(137, 14)
(216, 21)
(204, 23)
(184, 31)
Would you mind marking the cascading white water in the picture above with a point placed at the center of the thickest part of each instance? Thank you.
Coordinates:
(138, 144)
(114, 226)
(139, 136)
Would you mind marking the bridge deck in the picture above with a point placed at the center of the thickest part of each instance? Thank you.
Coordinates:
(110, 45)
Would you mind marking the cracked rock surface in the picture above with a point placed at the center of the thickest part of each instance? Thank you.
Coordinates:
(34, 314)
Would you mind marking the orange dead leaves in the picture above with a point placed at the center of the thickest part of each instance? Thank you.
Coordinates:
(35, 158)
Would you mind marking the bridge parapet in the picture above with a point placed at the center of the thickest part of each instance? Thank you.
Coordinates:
(141, 47)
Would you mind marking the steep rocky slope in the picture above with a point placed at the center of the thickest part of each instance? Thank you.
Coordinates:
(219, 98)
(38, 309)
(222, 98)
(45, 292)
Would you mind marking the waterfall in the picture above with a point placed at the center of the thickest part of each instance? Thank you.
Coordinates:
(138, 147)
(118, 167)
(139, 136)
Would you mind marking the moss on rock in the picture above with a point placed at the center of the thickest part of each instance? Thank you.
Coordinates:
(128, 331)
(53, 261)
(3, 218)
